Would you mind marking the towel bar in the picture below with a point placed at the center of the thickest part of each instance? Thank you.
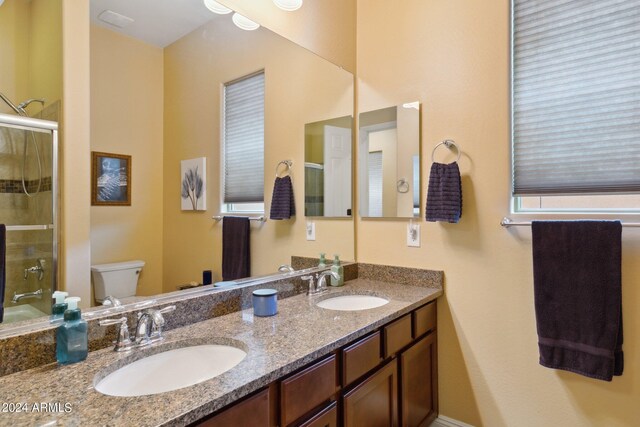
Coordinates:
(260, 218)
(508, 222)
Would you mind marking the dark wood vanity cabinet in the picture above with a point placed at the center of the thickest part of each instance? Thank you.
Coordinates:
(374, 401)
(387, 378)
(419, 382)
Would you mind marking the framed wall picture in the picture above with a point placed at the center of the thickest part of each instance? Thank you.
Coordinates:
(193, 185)
(110, 179)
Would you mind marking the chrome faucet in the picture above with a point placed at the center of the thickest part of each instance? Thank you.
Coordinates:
(321, 285)
(123, 343)
(36, 269)
(322, 281)
(149, 326)
(18, 297)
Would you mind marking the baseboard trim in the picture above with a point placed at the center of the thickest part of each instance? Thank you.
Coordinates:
(443, 421)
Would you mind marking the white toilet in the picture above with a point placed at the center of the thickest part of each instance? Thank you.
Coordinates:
(118, 279)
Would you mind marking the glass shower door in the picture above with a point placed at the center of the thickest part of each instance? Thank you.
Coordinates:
(28, 193)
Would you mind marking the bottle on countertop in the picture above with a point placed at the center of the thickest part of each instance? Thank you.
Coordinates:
(323, 261)
(59, 306)
(72, 336)
(339, 269)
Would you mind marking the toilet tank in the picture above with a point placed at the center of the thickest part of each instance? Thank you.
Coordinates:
(118, 279)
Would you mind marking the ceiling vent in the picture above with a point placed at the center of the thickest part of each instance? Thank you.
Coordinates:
(115, 19)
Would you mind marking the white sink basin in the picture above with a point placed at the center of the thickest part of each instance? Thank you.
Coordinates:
(171, 370)
(352, 302)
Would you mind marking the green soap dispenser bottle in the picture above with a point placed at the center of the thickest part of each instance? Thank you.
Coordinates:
(339, 269)
(59, 306)
(72, 336)
(322, 263)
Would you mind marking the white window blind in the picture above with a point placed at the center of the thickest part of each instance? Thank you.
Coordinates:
(375, 183)
(244, 140)
(576, 96)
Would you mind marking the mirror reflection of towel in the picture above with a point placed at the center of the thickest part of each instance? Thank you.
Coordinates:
(444, 195)
(283, 205)
(236, 254)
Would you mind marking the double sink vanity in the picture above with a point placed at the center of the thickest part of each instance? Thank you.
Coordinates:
(362, 354)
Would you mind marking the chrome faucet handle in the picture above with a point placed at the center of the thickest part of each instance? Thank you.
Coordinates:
(157, 321)
(285, 268)
(322, 282)
(312, 284)
(123, 343)
(112, 301)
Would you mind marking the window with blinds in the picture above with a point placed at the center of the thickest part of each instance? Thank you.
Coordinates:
(243, 144)
(576, 98)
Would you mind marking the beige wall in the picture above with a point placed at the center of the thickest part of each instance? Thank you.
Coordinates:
(325, 27)
(193, 83)
(75, 247)
(14, 45)
(45, 52)
(31, 52)
(126, 118)
(453, 56)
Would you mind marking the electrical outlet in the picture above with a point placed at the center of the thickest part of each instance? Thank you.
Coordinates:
(413, 235)
(311, 230)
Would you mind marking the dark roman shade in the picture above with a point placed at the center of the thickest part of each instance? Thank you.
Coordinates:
(576, 97)
(244, 140)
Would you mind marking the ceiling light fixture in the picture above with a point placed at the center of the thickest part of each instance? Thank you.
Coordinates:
(288, 5)
(244, 23)
(216, 7)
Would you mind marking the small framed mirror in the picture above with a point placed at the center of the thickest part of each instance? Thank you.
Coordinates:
(389, 162)
(327, 167)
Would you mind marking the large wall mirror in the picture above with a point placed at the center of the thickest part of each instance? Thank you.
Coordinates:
(389, 162)
(327, 167)
(157, 86)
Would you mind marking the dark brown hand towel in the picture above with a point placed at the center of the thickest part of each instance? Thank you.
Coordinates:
(283, 205)
(444, 195)
(578, 296)
(236, 256)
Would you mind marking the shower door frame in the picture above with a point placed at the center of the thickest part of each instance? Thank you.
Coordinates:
(42, 126)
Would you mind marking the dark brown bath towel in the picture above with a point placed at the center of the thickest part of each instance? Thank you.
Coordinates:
(578, 296)
(236, 255)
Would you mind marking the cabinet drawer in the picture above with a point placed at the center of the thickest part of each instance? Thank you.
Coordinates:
(328, 417)
(360, 357)
(307, 389)
(397, 335)
(424, 319)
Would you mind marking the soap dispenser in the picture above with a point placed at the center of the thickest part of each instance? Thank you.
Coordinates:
(72, 335)
(322, 263)
(59, 306)
(339, 269)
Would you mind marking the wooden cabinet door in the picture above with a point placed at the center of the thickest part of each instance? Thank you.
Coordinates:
(419, 383)
(328, 417)
(374, 403)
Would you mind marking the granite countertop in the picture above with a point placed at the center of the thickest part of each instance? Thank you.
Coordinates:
(299, 334)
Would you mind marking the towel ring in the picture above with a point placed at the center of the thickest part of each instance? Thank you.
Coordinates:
(447, 143)
(402, 186)
(288, 164)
